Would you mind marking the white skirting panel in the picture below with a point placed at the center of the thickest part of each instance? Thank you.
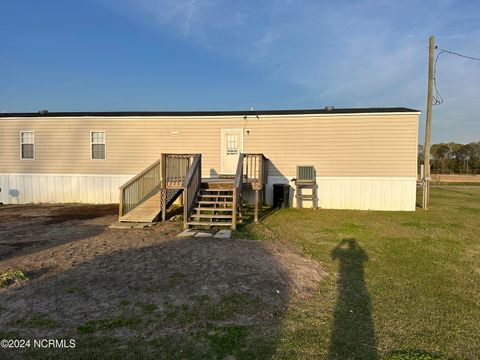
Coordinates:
(359, 193)
(60, 188)
(362, 193)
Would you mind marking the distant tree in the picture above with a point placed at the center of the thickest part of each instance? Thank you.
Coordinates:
(441, 156)
(453, 158)
(466, 154)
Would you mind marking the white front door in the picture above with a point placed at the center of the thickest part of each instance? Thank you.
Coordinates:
(232, 146)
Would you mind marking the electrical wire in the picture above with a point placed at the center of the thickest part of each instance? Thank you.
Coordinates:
(437, 98)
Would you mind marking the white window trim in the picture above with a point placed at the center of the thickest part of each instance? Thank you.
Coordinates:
(21, 143)
(91, 143)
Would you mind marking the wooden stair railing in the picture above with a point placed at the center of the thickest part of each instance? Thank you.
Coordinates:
(256, 174)
(140, 188)
(191, 187)
(237, 192)
(255, 170)
(165, 178)
(175, 168)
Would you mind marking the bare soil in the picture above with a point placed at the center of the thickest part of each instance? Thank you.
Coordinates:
(456, 178)
(86, 277)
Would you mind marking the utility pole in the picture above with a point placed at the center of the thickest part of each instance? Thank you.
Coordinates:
(428, 125)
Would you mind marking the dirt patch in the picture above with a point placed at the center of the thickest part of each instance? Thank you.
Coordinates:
(88, 279)
(456, 178)
(82, 212)
(27, 229)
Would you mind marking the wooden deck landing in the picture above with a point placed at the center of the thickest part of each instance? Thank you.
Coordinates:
(218, 183)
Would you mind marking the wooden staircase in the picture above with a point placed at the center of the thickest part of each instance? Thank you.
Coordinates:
(215, 206)
(206, 202)
(151, 192)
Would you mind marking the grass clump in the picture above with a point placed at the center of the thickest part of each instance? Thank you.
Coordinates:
(39, 321)
(108, 324)
(12, 276)
(414, 355)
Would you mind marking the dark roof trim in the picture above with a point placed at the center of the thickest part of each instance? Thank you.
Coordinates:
(211, 113)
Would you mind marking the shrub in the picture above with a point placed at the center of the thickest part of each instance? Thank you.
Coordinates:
(12, 276)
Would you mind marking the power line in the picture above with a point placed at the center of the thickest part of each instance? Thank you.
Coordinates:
(458, 54)
(437, 98)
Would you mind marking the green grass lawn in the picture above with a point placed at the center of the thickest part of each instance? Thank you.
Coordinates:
(399, 284)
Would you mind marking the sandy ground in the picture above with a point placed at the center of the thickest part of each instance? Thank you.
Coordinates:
(80, 270)
(456, 178)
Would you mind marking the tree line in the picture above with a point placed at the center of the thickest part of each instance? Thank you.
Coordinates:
(453, 158)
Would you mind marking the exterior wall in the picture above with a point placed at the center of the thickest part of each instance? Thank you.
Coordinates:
(60, 188)
(359, 193)
(333, 193)
(345, 149)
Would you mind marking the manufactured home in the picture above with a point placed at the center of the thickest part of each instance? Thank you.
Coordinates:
(363, 158)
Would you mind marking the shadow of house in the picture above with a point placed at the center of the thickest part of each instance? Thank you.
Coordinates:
(353, 333)
(277, 177)
(202, 298)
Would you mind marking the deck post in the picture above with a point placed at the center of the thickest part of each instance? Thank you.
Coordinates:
(164, 204)
(234, 212)
(256, 206)
(240, 207)
(120, 206)
(185, 208)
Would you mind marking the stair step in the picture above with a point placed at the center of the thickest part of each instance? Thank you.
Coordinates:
(213, 209)
(204, 223)
(216, 196)
(216, 190)
(215, 202)
(210, 216)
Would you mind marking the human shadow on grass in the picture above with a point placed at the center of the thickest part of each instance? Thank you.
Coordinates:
(353, 333)
(180, 298)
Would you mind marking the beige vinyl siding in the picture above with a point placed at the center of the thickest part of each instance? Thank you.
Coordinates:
(355, 145)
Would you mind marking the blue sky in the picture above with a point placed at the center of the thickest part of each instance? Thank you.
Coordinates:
(112, 55)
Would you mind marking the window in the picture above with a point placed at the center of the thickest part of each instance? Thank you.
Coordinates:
(27, 145)
(98, 140)
(232, 144)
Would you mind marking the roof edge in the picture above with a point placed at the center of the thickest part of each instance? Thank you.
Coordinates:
(212, 113)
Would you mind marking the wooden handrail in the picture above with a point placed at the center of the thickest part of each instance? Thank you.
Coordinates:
(237, 191)
(239, 172)
(191, 186)
(175, 169)
(255, 170)
(191, 170)
(139, 188)
(170, 171)
(140, 174)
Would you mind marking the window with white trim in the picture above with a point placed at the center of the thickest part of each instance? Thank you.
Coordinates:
(232, 144)
(27, 145)
(98, 145)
